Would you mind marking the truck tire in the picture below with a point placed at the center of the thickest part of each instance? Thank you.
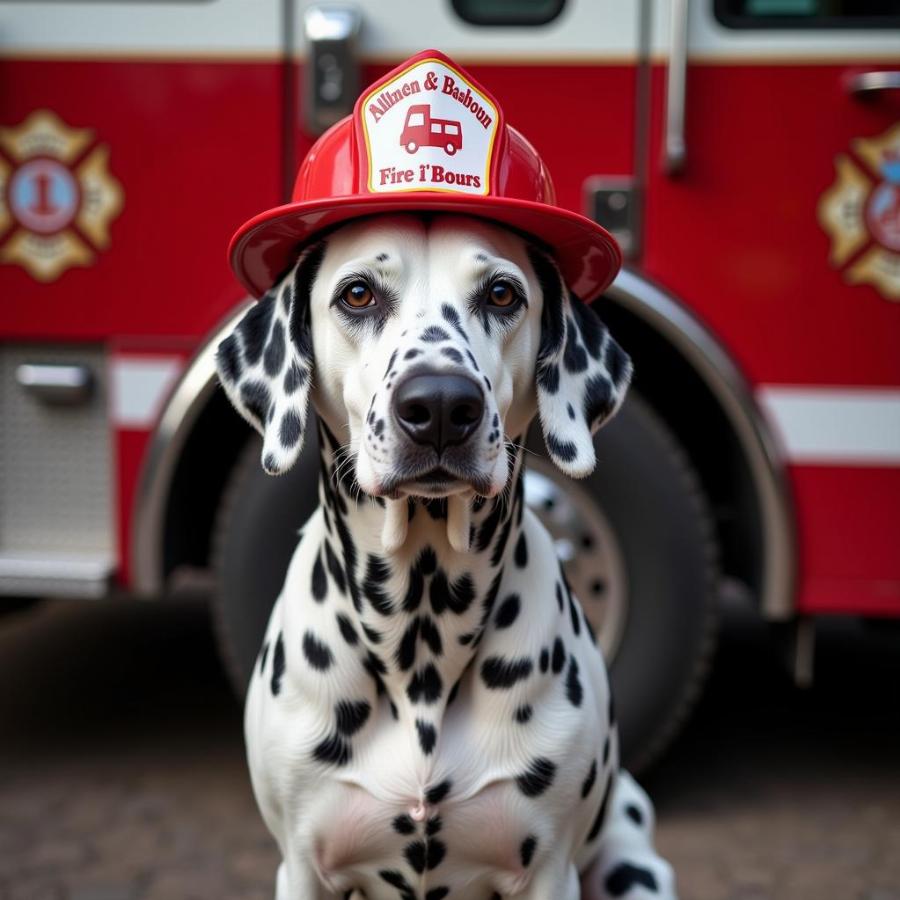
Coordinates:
(643, 539)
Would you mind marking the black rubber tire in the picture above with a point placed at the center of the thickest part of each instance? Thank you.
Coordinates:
(653, 500)
(649, 494)
(254, 536)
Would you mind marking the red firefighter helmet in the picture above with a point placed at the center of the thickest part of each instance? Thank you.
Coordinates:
(425, 137)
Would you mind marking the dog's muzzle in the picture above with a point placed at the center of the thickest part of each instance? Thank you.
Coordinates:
(438, 410)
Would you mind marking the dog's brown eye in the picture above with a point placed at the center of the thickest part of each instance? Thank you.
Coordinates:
(358, 295)
(501, 294)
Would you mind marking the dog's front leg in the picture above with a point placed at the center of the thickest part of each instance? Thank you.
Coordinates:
(628, 866)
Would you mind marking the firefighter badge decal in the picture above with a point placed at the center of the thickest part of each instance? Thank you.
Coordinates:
(861, 213)
(428, 129)
(57, 196)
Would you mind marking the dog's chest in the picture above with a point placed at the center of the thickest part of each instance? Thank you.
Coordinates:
(389, 824)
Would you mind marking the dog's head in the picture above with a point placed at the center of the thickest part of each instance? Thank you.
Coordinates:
(426, 343)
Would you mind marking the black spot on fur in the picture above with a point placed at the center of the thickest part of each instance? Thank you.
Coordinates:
(414, 589)
(599, 399)
(373, 635)
(589, 780)
(273, 357)
(601, 813)
(545, 659)
(254, 328)
(451, 316)
(277, 666)
(263, 656)
(437, 793)
(256, 398)
(434, 333)
(452, 354)
(406, 649)
(348, 632)
(317, 654)
(427, 561)
(437, 893)
(427, 736)
(634, 814)
(228, 358)
(625, 876)
(351, 715)
(425, 684)
(574, 357)
(537, 778)
(412, 354)
(377, 573)
(294, 378)
(523, 714)
(396, 879)
(335, 569)
(507, 612)
(291, 428)
(319, 585)
(303, 282)
(616, 361)
(521, 553)
(416, 854)
(559, 596)
(432, 636)
(437, 850)
(606, 748)
(391, 362)
(573, 613)
(403, 825)
(526, 850)
(548, 378)
(498, 673)
(564, 450)
(559, 656)
(552, 316)
(334, 750)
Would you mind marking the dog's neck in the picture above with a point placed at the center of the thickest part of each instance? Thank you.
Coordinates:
(420, 609)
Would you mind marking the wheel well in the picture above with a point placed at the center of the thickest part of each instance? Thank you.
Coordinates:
(678, 394)
(206, 461)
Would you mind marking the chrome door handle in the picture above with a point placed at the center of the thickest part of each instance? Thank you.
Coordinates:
(56, 384)
(866, 84)
(674, 145)
(332, 77)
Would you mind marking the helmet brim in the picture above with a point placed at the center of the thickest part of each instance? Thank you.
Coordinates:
(266, 246)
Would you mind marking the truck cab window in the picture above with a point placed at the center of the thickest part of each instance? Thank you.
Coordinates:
(808, 13)
(508, 12)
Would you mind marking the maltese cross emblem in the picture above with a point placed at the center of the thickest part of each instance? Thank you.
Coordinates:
(57, 196)
(861, 213)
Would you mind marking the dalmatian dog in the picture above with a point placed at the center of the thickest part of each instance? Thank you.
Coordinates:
(430, 716)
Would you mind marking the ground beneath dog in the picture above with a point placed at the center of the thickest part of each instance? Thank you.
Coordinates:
(122, 772)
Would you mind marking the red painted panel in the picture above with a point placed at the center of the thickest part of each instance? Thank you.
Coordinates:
(849, 535)
(738, 238)
(737, 235)
(196, 147)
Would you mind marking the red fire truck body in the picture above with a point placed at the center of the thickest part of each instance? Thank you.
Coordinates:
(742, 159)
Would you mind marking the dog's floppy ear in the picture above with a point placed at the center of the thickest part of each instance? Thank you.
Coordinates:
(582, 373)
(266, 363)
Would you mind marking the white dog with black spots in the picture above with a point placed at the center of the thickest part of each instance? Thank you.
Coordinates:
(430, 716)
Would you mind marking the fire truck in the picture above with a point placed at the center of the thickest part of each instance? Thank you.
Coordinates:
(743, 152)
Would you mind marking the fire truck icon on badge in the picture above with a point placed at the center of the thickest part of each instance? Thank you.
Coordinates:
(861, 213)
(57, 197)
(421, 130)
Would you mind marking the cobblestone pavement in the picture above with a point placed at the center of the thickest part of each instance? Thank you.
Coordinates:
(122, 772)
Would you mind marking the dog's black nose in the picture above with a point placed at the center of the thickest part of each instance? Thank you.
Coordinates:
(440, 410)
